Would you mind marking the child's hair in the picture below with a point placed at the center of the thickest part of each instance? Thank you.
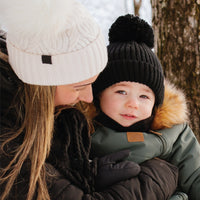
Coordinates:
(130, 58)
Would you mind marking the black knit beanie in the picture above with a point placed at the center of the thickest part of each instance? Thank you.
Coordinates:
(130, 58)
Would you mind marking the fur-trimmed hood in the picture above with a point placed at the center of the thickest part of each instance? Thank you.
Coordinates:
(173, 110)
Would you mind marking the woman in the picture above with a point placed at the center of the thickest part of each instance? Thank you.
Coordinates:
(55, 53)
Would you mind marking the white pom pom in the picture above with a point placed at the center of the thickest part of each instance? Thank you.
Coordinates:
(36, 17)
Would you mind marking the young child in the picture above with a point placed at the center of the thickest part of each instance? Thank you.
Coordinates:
(138, 110)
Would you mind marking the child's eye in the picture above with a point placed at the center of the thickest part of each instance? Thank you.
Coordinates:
(121, 92)
(144, 96)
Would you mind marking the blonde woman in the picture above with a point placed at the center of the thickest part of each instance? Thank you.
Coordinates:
(55, 52)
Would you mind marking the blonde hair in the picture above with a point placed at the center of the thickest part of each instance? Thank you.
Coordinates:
(34, 106)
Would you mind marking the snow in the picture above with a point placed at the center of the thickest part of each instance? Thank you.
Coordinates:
(105, 12)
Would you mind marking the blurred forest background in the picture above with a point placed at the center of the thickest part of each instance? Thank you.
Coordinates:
(176, 25)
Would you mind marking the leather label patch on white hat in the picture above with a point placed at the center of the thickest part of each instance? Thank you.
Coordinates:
(46, 59)
(135, 137)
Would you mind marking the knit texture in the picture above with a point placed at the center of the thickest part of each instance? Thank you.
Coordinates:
(130, 58)
(59, 42)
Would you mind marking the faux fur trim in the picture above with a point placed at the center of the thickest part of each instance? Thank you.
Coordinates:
(173, 110)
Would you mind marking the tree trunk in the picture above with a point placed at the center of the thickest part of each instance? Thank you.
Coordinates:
(137, 5)
(176, 25)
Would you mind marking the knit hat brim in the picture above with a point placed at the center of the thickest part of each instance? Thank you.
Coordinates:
(130, 70)
(66, 68)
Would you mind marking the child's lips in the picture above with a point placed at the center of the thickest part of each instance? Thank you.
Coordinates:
(128, 116)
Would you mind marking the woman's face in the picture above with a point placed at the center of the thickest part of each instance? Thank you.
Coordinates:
(73, 93)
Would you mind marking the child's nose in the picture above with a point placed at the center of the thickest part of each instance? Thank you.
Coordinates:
(132, 103)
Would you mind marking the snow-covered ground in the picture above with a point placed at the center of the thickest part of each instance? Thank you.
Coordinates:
(106, 11)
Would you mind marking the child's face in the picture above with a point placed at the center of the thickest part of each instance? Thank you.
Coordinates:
(127, 102)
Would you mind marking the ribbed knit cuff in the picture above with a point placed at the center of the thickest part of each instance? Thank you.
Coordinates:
(66, 68)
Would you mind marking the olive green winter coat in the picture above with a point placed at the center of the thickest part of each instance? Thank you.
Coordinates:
(171, 139)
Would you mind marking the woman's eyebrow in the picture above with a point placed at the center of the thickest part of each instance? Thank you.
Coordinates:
(76, 86)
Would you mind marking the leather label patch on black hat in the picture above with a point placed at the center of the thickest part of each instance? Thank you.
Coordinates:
(46, 59)
(135, 137)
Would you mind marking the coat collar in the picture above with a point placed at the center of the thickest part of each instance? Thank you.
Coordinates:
(173, 110)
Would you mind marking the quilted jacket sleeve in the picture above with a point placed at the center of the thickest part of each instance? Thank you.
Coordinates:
(185, 154)
(157, 180)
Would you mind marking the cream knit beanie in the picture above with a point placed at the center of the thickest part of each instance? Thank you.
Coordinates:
(52, 42)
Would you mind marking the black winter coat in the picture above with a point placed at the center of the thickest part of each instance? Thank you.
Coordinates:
(157, 179)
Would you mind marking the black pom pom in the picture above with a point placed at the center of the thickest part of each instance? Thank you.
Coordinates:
(131, 28)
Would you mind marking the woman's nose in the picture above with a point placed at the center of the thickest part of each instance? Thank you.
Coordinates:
(86, 94)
